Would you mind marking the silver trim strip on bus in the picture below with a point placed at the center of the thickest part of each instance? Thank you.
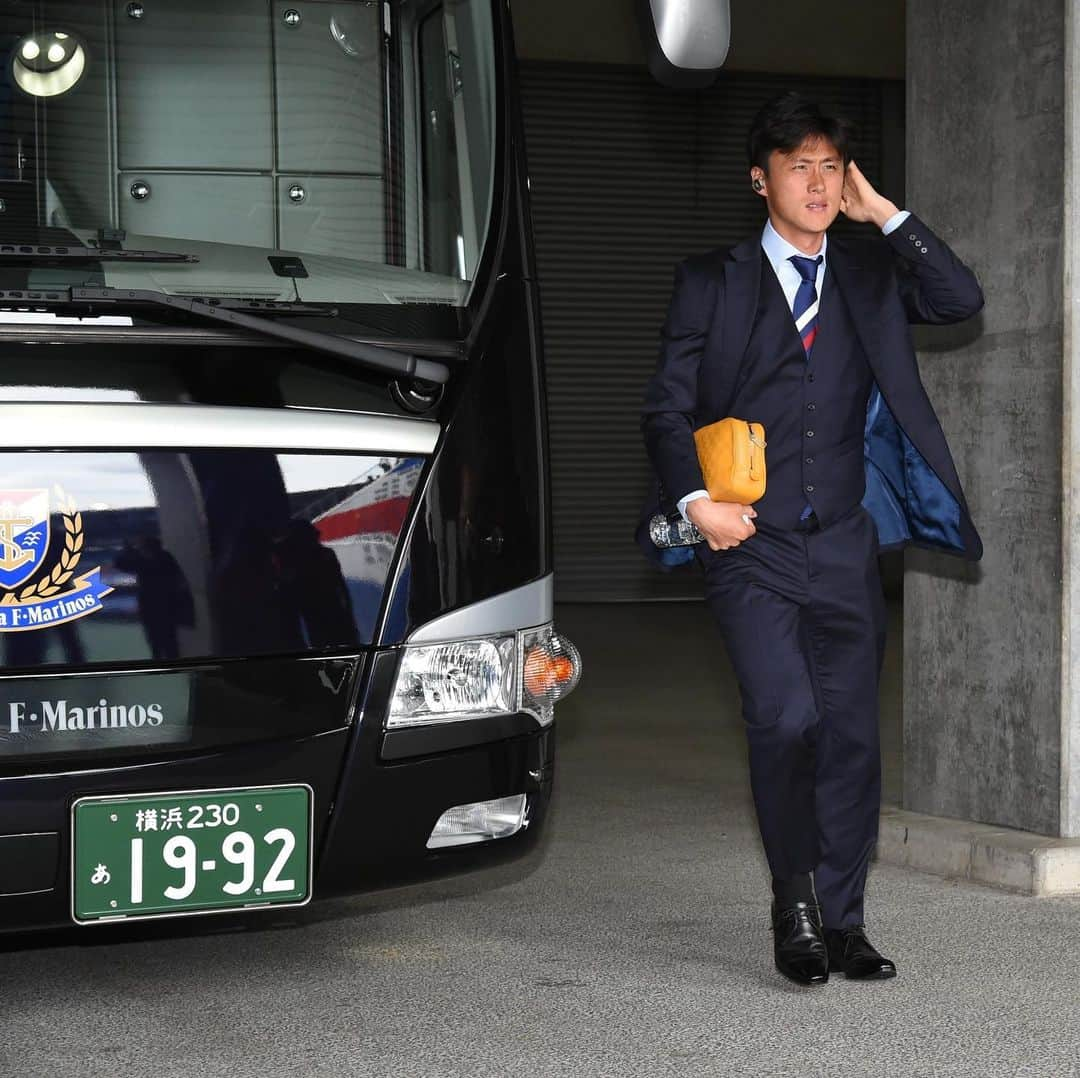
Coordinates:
(532, 604)
(126, 426)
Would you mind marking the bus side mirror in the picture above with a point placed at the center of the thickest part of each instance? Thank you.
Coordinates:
(686, 41)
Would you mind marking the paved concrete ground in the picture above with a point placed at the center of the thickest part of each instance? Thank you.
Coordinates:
(635, 942)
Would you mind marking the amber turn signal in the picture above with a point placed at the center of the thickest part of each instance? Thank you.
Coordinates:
(546, 673)
(550, 669)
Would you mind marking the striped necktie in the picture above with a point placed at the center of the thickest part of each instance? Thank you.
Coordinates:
(805, 308)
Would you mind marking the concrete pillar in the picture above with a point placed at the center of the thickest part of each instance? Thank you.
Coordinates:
(992, 654)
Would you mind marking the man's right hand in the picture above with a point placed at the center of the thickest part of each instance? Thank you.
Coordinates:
(721, 523)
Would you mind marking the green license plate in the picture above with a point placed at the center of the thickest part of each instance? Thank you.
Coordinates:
(201, 851)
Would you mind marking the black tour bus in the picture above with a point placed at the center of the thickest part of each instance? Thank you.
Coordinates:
(275, 555)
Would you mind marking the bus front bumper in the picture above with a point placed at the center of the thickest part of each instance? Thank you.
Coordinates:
(371, 823)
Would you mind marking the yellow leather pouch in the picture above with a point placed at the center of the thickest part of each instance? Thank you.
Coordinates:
(732, 457)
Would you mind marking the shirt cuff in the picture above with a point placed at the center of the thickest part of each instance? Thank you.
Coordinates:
(692, 496)
(894, 222)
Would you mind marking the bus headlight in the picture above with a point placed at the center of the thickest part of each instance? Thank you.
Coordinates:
(464, 679)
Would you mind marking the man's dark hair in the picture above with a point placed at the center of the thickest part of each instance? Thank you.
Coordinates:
(786, 121)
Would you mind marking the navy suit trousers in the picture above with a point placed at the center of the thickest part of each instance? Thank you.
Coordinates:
(802, 616)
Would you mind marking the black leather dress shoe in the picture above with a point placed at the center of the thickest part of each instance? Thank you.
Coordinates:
(798, 945)
(851, 953)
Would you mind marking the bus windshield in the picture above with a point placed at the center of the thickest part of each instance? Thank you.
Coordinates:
(324, 152)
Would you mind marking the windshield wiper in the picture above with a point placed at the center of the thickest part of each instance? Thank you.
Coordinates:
(372, 356)
(77, 252)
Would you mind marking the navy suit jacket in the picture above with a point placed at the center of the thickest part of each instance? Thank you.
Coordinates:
(911, 276)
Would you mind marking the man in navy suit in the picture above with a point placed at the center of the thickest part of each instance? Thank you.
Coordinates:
(809, 336)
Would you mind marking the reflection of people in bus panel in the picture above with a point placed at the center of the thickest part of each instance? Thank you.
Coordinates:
(164, 598)
(311, 577)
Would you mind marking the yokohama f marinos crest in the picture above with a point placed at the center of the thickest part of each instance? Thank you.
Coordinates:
(55, 593)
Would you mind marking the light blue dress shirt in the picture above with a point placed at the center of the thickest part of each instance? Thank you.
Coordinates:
(778, 251)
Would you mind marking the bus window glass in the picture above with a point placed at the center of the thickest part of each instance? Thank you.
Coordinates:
(443, 239)
(355, 135)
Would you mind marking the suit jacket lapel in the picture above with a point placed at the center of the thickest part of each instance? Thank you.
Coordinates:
(742, 281)
(858, 290)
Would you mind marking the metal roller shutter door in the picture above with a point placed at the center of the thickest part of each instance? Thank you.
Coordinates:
(628, 178)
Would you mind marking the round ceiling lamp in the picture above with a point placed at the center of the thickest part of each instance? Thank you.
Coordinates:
(47, 65)
(357, 45)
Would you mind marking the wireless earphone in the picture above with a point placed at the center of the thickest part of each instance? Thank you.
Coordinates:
(758, 185)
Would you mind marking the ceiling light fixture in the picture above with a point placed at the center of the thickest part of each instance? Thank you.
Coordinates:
(47, 65)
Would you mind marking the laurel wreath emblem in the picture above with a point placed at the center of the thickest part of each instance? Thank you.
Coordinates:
(70, 556)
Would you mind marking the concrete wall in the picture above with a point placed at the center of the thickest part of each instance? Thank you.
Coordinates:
(1070, 450)
(841, 37)
(983, 647)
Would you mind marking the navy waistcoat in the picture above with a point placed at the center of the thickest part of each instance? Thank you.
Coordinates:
(814, 412)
